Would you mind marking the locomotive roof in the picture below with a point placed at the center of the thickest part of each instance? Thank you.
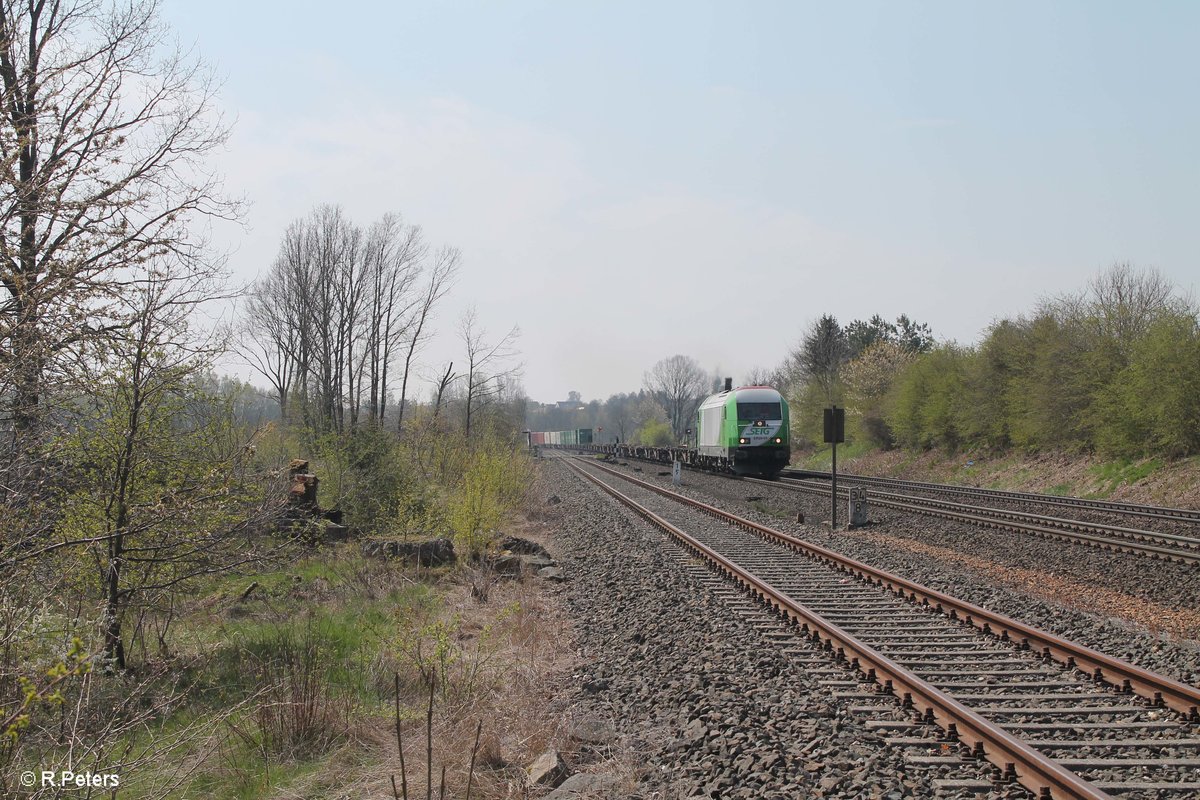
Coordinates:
(746, 394)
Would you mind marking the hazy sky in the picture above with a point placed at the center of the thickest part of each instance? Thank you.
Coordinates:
(629, 180)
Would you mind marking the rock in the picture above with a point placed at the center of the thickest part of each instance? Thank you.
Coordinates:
(593, 730)
(583, 785)
(508, 565)
(830, 782)
(520, 546)
(552, 574)
(535, 563)
(548, 769)
(553, 500)
(336, 533)
(431, 553)
(695, 731)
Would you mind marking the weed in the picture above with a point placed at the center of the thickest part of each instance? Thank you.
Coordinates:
(1122, 471)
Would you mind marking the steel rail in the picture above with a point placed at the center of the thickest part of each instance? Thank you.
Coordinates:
(1001, 519)
(1043, 519)
(1191, 515)
(1011, 755)
(976, 515)
(1159, 689)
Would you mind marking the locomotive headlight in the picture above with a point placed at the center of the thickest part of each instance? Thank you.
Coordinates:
(741, 441)
(778, 440)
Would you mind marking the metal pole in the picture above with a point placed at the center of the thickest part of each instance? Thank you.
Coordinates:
(833, 491)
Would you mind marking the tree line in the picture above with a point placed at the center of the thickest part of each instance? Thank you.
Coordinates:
(1113, 368)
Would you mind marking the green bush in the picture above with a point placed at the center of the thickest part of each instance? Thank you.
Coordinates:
(927, 402)
(1153, 404)
(656, 434)
(494, 480)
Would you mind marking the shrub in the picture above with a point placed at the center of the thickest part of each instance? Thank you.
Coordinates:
(656, 434)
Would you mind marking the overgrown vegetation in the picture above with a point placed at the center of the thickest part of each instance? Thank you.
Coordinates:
(1114, 369)
(165, 614)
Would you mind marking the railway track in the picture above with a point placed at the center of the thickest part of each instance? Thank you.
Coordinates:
(1187, 515)
(1113, 538)
(1061, 719)
(1168, 546)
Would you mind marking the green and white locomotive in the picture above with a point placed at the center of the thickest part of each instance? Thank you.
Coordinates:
(744, 430)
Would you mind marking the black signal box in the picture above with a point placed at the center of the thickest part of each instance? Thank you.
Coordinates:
(835, 425)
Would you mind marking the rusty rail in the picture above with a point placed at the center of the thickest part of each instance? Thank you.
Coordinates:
(1013, 757)
(1159, 689)
(1191, 515)
(1022, 522)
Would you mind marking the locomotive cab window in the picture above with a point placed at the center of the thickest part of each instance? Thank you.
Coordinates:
(759, 411)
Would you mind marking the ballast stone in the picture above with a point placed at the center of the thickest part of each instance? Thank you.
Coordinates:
(583, 785)
(555, 574)
(548, 769)
(592, 730)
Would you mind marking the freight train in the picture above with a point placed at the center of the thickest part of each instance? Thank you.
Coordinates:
(577, 436)
(742, 430)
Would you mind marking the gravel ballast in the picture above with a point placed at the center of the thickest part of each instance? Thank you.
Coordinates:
(1129, 632)
(706, 691)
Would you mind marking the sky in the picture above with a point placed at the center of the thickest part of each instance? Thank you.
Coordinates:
(631, 180)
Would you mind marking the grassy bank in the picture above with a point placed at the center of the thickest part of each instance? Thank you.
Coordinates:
(1152, 480)
(291, 690)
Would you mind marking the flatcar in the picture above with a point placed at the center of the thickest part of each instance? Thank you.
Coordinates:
(742, 430)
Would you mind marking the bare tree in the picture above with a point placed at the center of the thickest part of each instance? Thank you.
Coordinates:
(161, 463)
(443, 383)
(273, 332)
(619, 415)
(103, 132)
(761, 376)
(393, 254)
(438, 283)
(488, 365)
(337, 309)
(1121, 303)
(678, 385)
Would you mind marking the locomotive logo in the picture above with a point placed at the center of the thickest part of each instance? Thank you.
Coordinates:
(759, 434)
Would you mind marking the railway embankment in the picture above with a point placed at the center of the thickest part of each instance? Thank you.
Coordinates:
(1152, 480)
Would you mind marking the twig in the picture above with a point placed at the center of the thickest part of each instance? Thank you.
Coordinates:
(474, 750)
(400, 747)
(442, 790)
(429, 736)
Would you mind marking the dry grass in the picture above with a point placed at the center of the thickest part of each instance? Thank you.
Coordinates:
(511, 671)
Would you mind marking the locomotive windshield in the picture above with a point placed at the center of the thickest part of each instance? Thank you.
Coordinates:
(759, 411)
